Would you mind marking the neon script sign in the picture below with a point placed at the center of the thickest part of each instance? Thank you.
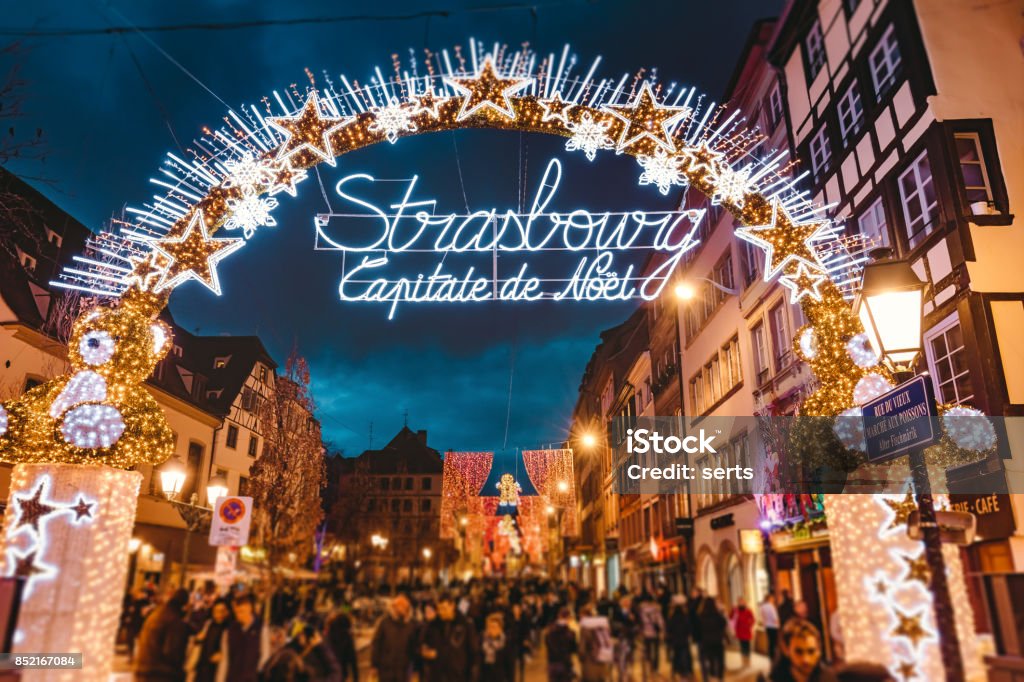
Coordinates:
(593, 246)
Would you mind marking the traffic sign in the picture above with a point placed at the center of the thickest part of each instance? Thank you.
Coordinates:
(901, 420)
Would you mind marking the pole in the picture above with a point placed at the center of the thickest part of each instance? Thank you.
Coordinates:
(690, 569)
(945, 622)
(184, 555)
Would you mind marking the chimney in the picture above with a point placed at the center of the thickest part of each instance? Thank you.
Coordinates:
(421, 436)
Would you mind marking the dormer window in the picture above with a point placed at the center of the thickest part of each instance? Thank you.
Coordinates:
(177, 351)
(221, 362)
(27, 261)
(54, 238)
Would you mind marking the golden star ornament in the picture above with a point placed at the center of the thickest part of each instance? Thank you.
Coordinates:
(308, 130)
(487, 92)
(783, 243)
(645, 119)
(194, 255)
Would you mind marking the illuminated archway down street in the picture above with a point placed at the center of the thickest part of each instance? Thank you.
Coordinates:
(635, 342)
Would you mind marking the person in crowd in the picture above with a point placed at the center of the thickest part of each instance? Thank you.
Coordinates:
(518, 628)
(770, 619)
(625, 628)
(137, 606)
(160, 654)
(787, 608)
(247, 641)
(652, 627)
(694, 609)
(207, 654)
(742, 620)
(713, 626)
(560, 642)
(449, 647)
(800, 644)
(391, 649)
(284, 663)
(343, 645)
(318, 662)
(597, 650)
(864, 672)
(496, 661)
(677, 633)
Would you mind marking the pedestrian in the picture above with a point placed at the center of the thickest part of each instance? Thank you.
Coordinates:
(343, 645)
(652, 627)
(597, 650)
(449, 647)
(518, 627)
(284, 663)
(694, 608)
(625, 629)
(160, 654)
(137, 605)
(496, 661)
(787, 608)
(678, 632)
(560, 642)
(207, 650)
(770, 620)
(247, 640)
(391, 649)
(318, 662)
(742, 620)
(800, 644)
(713, 626)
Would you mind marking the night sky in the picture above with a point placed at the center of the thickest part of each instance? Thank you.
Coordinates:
(112, 105)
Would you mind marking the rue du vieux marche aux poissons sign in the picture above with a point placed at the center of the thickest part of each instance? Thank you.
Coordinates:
(901, 420)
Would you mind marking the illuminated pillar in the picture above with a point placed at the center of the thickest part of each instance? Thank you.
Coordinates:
(67, 529)
(885, 606)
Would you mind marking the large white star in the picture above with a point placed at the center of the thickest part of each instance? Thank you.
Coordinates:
(308, 130)
(487, 90)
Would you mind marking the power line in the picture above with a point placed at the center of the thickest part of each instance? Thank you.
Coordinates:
(261, 23)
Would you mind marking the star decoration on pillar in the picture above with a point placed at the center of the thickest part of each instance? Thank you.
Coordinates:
(902, 509)
(308, 130)
(783, 244)
(82, 509)
(644, 119)
(909, 627)
(803, 282)
(555, 109)
(25, 565)
(194, 255)
(31, 510)
(487, 90)
(908, 669)
(881, 587)
(917, 569)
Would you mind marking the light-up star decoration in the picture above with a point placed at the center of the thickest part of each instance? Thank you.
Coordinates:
(917, 569)
(783, 244)
(428, 103)
(487, 91)
(902, 509)
(147, 270)
(286, 178)
(803, 282)
(194, 255)
(32, 510)
(909, 627)
(555, 109)
(308, 130)
(704, 159)
(645, 119)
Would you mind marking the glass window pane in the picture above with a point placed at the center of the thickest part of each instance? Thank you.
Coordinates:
(955, 338)
(948, 393)
(958, 360)
(972, 175)
(944, 370)
(967, 149)
(939, 346)
(963, 388)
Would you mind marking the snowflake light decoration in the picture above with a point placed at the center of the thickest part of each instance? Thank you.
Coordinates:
(248, 173)
(969, 428)
(250, 213)
(393, 119)
(731, 186)
(662, 170)
(589, 136)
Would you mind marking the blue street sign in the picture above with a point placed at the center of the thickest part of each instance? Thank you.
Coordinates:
(901, 420)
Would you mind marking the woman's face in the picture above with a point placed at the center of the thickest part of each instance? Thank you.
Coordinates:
(220, 612)
(493, 629)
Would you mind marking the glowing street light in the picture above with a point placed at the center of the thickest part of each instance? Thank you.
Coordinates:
(889, 305)
(563, 487)
(172, 478)
(427, 553)
(685, 291)
(216, 488)
(588, 439)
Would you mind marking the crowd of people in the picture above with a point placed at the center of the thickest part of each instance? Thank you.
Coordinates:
(483, 630)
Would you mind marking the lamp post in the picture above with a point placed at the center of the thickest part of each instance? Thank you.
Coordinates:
(172, 479)
(889, 306)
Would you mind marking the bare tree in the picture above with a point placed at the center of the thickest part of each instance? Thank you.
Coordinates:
(287, 478)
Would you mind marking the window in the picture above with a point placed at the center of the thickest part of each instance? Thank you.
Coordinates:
(232, 439)
(221, 362)
(243, 485)
(408, 483)
(947, 360)
(814, 51)
(254, 442)
(27, 261)
(396, 483)
(53, 238)
(32, 382)
(972, 167)
(781, 337)
(424, 506)
(385, 484)
(750, 263)
(920, 205)
(760, 343)
(773, 107)
(820, 150)
(263, 374)
(723, 275)
(872, 225)
(177, 351)
(697, 394)
(884, 61)
(731, 362)
(427, 483)
(851, 113)
(248, 399)
(395, 506)
(192, 466)
(407, 506)
(851, 6)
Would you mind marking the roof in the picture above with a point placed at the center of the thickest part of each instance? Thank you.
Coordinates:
(407, 453)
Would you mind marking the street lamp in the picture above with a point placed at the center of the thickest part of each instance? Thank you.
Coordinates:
(216, 488)
(889, 305)
(588, 440)
(686, 291)
(427, 553)
(172, 479)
